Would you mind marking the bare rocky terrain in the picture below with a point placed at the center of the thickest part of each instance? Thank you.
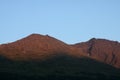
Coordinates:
(43, 57)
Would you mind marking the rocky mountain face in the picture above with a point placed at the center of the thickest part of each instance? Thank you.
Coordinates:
(40, 47)
(102, 50)
(42, 57)
(36, 47)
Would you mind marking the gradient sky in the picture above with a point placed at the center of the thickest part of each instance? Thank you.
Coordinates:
(71, 21)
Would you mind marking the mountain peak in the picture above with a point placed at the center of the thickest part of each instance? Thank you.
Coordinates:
(34, 35)
(92, 39)
(36, 38)
(100, 39)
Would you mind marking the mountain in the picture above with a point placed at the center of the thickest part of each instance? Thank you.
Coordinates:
(35, 46)
(42, 57)
(102, 50)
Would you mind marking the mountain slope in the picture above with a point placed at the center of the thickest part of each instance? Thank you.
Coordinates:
(35, 46)
(103, 50)
(44, 57)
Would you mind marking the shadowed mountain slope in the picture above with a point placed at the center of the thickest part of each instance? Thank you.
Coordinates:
(61, 67)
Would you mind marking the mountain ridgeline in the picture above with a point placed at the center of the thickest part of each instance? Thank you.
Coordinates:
(44, 57)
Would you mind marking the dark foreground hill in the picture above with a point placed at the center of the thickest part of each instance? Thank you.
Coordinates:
(39, 57)
(62, 67)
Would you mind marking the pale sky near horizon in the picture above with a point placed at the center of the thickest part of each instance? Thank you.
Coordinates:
(71, 21)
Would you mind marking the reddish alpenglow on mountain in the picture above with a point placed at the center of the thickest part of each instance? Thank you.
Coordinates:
(102, 50)
(41, 47)
(35, 47)
(42, 57)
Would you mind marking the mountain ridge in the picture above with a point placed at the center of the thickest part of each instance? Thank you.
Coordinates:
(37, 47)
(103, 50)
(42, 57)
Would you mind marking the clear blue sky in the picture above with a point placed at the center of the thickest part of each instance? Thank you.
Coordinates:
(71, 21)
